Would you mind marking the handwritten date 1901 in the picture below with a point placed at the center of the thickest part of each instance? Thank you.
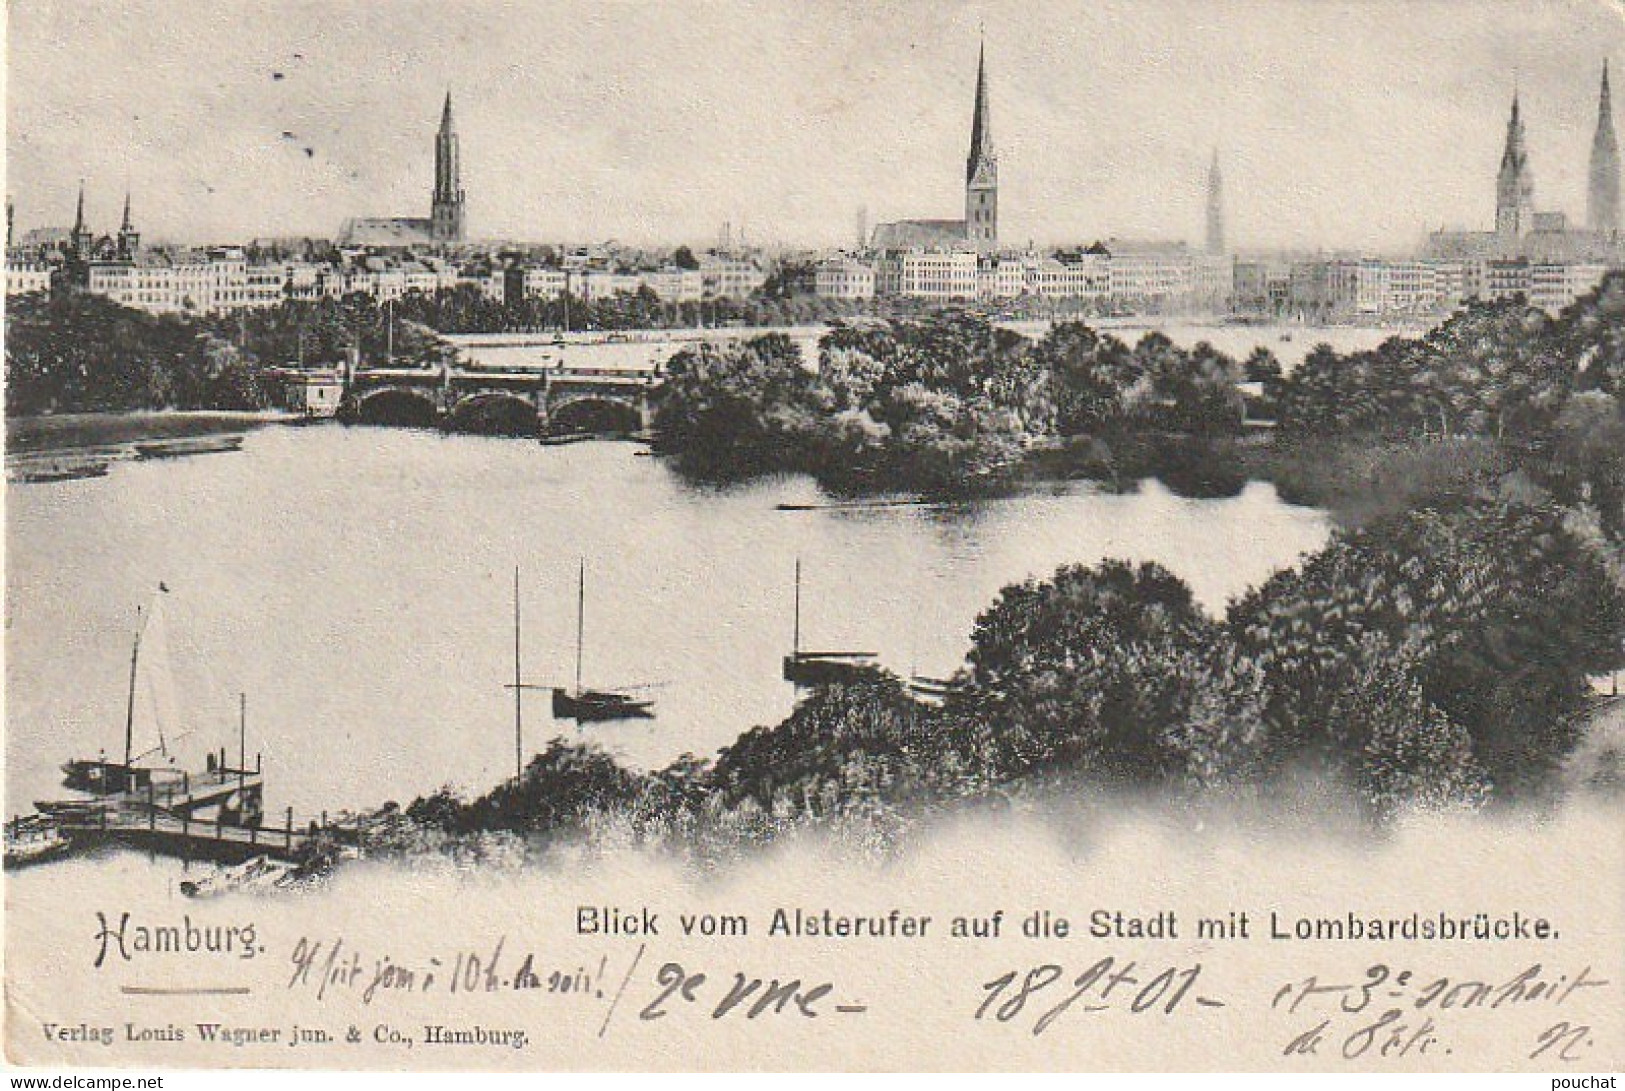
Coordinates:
(1104, 986)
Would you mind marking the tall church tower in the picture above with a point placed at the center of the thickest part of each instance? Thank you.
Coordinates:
(81, 241)
(129, 239)
(1602, 198)
(982, 170)
(446, 216)
(1215, 207)
(1515, 185)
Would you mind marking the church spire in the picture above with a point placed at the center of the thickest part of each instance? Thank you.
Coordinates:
(129, 239)
(1602, 194)
(1215, 207)
(981, 126)
(982, 169)
(1515, 184)
(446, 206)
(81, 241)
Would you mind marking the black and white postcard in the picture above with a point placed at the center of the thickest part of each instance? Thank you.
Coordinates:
(737, 534)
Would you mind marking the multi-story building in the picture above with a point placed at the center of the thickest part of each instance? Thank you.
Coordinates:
(1556, 286)
(590, 284)
(23, 277)
(1375, 287)
(729, 277)
(844, 278)
(1079, 276)
(928, 274)
(674, 285)
(219, 279)
(537, 282)
(1169, 275)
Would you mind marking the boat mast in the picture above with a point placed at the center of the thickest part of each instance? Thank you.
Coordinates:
(795, 645)
(518, 694)
(129, 710)
(581, 619)
(242, 751)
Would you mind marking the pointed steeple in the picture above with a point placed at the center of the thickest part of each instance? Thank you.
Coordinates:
(981, 126)
(129, 239)
(1514, 151)
(1515, 184)
(1215, 207)
(982, 169)
(1602, 193)
(446, 203)
(81, 242)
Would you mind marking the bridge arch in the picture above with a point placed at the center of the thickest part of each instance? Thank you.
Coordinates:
(597, 413)
(396, 405)
(495, 412)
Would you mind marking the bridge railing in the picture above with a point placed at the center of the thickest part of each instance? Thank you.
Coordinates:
(556, 371)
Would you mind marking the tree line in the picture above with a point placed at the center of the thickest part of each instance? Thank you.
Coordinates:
(1438, 660)
(77, 352)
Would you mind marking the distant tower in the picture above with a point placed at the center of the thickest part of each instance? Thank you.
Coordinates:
(11, 215)
(446, 217)
(129, 239)
(982, 170)
(1215, 207)
(1602, 203)
(1515, 185)
(863, 228)
(82, 241)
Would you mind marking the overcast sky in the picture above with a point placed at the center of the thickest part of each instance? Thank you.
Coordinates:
(1339, 124)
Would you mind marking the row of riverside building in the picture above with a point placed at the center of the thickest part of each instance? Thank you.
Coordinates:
(1536, 255)
(185, 280)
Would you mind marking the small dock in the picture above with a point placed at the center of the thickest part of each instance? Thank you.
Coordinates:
(187, 838)
(215, 815)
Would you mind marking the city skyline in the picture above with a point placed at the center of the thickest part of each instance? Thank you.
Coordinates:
(1105, 128)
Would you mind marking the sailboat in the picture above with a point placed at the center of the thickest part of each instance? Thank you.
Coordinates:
(594, 705)
(823, 668)
(150, 706)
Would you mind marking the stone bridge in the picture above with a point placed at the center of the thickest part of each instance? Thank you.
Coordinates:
(458, 396)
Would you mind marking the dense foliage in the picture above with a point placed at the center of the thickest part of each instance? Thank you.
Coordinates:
(82, 352)
(1438, 659)
(936, 404)
(76, 352)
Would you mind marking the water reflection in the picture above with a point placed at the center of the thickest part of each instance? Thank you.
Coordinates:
(356, 583)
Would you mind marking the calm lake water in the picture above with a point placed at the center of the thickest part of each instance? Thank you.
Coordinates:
(357, 585)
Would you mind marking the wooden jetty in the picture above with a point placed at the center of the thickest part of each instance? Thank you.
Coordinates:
(166, 834)
(214, 816)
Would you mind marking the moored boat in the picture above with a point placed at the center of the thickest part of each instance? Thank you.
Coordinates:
(591, 705)
(581, 704)
(188, 445)
(33, 841)
(823, 668)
